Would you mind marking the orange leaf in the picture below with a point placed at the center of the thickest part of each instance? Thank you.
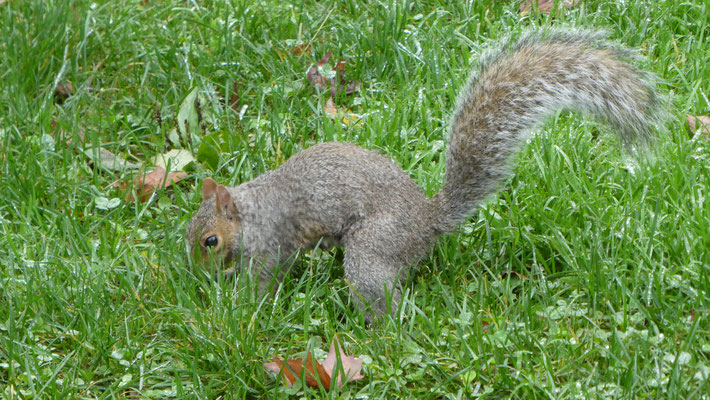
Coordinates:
(315, 374)
(319, 376)
(277, 366)
(234, 97)
(340, 66)
(301, 49)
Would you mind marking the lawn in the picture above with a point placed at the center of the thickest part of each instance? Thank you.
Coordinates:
(588, 276)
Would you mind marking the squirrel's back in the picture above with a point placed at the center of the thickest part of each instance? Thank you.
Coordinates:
(332, 186)
(518, 87)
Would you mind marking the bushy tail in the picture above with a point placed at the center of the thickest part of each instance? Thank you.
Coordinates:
(516, 89)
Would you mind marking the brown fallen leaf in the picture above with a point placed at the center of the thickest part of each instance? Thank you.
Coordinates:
(352, 87)
(324, 60)
(303, 48)
(148, 183)
(546, 6)
(316, 373)
(234, 97)
(699, 124)
(63, 91)
(318, 80)
(507, 273)
(330, 109)
(337, 84)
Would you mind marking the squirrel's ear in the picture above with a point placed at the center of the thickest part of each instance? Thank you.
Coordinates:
(224, 203)
(209, 188)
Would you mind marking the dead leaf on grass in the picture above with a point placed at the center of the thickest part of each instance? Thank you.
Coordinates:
(699, 124)
(351, 366)
(330, 109)
(303, 48)
(508, 273)
(324, 60)
(146, 184)
(314, 76)
(62, 92)
(234, 97)
(315, 374)
(319, 373)
(336, 83)
(65, 90)
(546, 6)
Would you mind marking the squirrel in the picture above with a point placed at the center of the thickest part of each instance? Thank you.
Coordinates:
(341, 194)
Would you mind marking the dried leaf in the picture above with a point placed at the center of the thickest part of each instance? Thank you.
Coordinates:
(316, 373)
(546, 6)
(320, 375)
(315, 78)
(277, 367)
(699, 124)
(507, 273)
(63, 91)
(325, 58)
(335, 85)
(351, 366)
(353, 87)
(340, 66)
(234, 97)
(148, 183)
(303, 48)
(330, 109)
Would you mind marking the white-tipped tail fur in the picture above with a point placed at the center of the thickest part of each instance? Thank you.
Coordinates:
(516, 89)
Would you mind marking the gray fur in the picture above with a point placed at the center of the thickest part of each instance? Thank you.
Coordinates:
(345, 195)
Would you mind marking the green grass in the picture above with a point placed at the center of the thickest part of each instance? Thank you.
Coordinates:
(587, 277)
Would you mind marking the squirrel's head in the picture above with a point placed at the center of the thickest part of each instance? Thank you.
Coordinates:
(213, 229)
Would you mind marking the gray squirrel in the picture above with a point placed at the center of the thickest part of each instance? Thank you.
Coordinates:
(341, 194)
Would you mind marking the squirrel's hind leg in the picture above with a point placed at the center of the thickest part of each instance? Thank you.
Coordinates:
(374, 278)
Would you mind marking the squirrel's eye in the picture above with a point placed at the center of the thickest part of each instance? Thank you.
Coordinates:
(211, 241)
